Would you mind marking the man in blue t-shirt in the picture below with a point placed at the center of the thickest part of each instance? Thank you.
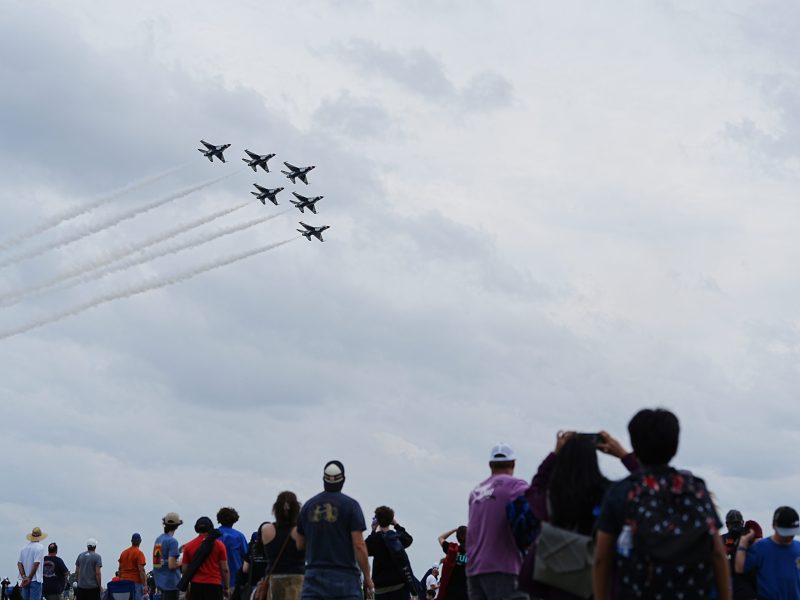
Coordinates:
(166, 566)
(331, 529)
(776, 559)
(234, 540)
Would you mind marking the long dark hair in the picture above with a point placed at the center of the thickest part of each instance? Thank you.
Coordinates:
(577, 486)
(286, 509)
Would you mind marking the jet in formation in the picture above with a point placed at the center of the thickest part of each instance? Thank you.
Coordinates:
(266, 193)
(303, 202)
(297, 172)
(315, 231)
(211, 150)
(257, 160)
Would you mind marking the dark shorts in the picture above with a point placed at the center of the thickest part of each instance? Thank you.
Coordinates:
(494, 586)
(87, 593)
(205, 591)
(330, 584)
(169, 594)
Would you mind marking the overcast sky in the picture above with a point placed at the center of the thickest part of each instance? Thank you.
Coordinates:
(543, 216)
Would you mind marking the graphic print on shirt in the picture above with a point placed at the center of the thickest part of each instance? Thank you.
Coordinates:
(485, 491)
(49, 569)
(324, 512)
(157, 563)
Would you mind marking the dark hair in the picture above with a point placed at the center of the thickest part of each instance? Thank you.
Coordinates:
(495, 465)
(577, 486)
(286, 509)
(654, 436)
(461, 535)
(227, 516)
(385, 516)
(53, 547)
(170, 528)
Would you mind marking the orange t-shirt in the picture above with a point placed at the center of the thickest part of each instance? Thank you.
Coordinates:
(129, 562)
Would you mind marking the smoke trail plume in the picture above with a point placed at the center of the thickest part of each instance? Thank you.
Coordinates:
(85, 208)
(93, 228)
(142, 288)
(15, 296)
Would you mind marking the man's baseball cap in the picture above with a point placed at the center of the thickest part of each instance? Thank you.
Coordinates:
(172, 518)
(502, 453)
(91, 543)
(136, 537)
(734, 516)
(786, 521)
(333, 472)
(203, 525)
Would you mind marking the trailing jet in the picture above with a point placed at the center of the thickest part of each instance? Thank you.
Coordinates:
(297, 172)
(315, 231)
(211, 150)
(257, 160)
(265, 193)
(303, 202)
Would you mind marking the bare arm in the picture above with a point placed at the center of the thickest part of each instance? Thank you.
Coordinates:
(722, 574)
(142, 575)
(299, 539)
(360, 548)
(443, 537)
(603, 557)
(268, 533)
(173, 563)
(226, 574)
(741, 551)
(98, 577)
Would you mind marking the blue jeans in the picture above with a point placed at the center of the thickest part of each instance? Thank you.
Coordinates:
(137, 591)
(330, 584)
(33, 591)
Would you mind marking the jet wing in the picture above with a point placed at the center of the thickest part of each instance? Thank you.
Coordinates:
(260, 188)
(302, 177)
(312, 208)
(308, 227)
(207, 145)
(291, 167)
(252, 155)
(221, 157)
(299, 197)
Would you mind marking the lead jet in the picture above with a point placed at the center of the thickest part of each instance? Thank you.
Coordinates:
(297, 172)
(257, 160)
(265, 193)
(303, 202)
(315, 231)
(211, 150)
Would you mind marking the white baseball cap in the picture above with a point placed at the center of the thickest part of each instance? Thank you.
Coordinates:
(91, 543)
(502, 452)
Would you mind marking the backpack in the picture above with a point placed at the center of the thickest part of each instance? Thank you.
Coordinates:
(665, 547)
(397, 553)
(524, 526)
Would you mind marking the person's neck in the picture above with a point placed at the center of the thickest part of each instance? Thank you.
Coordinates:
(781, 540)
(509, 471)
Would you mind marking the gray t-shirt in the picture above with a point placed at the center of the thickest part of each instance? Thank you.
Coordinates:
(87, 563)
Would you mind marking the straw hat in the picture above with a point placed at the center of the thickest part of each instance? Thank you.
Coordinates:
(36, 535)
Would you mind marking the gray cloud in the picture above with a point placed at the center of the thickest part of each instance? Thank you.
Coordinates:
(356, 118)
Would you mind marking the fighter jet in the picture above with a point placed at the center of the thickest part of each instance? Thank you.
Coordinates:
(297, 172)
(315, 231)
(257, 160)
(211, 150)
(303, 202)
(265, 193)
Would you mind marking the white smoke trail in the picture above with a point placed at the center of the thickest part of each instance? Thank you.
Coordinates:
(15, 296)
(142, 288)
(173, 249)
(85, 208)
(109, 222)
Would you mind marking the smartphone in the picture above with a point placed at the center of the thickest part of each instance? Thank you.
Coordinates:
(595, 438)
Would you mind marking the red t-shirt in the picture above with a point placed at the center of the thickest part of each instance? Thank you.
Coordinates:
(209, 571)
(129, 562)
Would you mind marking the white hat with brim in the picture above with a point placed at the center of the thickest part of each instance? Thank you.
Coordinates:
(36, 535)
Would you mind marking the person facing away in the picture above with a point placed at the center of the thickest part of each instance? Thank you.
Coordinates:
(776, 559)
(734, 523)
(211, 579)
(29, 565)
(54, 574)
(131, 566)
(234, 540)
(567, 491)
(659, 525)
(88, 572)
(494, 559)
(330, 529)
(455, 573)
(286, 562)
(391, 572)
(166, 562)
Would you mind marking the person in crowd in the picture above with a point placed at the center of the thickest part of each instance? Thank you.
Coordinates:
(166, 558)
(284, 558)
(391, 571)
(255, 564)
(432, 580)
(734, 523)
(210, 580)
(131, 566)
(454, 572)
(494, 559)
(88, 572)
(234, 540)
(330, 529)
(55, 574)
(29, 565)
(567, 491)
(776, 559)
(677, 552)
